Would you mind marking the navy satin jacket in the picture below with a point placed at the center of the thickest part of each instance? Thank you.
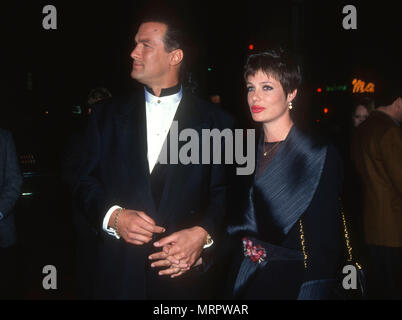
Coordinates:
(303, 181)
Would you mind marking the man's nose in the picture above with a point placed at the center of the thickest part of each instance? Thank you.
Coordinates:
(135, 53)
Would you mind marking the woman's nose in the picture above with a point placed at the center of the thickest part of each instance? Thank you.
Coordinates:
(255, 96)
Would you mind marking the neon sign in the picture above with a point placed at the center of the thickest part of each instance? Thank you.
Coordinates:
(360, 86)
(337, 88)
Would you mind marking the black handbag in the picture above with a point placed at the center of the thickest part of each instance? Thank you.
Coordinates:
(343, 289)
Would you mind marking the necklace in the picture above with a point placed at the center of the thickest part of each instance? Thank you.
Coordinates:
(274, 147)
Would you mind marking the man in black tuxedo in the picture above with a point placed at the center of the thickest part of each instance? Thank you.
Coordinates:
(131, 200)
(10, 188)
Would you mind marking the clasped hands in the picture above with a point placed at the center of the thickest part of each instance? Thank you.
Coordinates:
(180, 251)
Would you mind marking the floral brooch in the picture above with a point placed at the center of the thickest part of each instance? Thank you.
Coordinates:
(256, 253)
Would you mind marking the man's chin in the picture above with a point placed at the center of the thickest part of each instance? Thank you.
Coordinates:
(136, 76)
(139, 79)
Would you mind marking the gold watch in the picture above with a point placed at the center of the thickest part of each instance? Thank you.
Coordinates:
(208, 241)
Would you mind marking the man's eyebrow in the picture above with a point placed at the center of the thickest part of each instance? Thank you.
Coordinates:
(148, 41)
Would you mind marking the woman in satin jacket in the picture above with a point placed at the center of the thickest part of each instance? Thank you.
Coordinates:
(287, 239)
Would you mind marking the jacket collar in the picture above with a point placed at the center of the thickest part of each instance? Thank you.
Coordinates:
(285, 189)
(165, 91)
(383, 114)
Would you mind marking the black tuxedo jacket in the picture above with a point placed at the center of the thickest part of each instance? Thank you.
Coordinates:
(114, 170)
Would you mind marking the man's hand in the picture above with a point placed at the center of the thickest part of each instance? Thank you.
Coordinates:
(164, 260)
(175, 267)
(135, 227)
(185, 246)
(178, 274)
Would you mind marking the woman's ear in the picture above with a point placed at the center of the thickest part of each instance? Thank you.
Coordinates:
(176, 57)
(292, 95)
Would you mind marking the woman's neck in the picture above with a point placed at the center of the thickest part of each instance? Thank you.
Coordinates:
(277, 131)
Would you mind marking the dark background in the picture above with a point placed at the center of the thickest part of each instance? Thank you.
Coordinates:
(47, 72)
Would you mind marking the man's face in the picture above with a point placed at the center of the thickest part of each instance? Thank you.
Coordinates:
(399, 109)
(151, 63)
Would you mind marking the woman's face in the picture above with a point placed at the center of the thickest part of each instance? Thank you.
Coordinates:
(361, 114)
(266, 98)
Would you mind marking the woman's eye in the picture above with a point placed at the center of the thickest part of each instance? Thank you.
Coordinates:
(249, 89)
(267, 88)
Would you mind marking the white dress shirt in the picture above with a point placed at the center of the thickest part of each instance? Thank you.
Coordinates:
(160, 112)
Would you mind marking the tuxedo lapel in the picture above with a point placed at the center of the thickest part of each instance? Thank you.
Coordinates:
(188, 115)
(132, 145)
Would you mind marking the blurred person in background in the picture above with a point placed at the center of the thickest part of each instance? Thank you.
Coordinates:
(215, 98)
(361, 111)
(377, 156)
(10, 188)
(85, 241)
(73, 145)
(97, 95)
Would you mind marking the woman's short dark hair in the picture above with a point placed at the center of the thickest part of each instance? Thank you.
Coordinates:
(278, 64)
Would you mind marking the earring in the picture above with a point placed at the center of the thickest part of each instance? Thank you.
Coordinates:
(290, 105)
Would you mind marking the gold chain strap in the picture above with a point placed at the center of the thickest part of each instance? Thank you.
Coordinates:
(303, 243)
(347, 240)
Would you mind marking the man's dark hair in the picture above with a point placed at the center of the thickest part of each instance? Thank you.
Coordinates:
(174, 37)
(278, 64)
(179, 33)
(387, 92)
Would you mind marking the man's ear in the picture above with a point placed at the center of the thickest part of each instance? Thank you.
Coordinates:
(176, 57)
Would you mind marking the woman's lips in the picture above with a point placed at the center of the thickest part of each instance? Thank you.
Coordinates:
(257, 109)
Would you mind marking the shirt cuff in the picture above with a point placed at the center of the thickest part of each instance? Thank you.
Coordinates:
(105, 227)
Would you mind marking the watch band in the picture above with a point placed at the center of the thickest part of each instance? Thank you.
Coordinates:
(209, 242)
